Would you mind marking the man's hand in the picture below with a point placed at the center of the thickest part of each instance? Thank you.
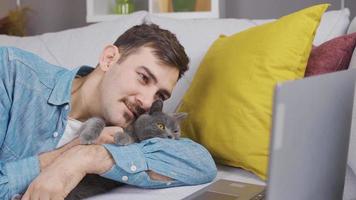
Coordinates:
(48, 157)
(106, 137)
(60, 177)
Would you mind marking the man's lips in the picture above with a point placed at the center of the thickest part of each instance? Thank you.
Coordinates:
(132, 111)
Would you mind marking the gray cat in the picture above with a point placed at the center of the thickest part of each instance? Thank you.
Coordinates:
(150, 125)
(153, 124)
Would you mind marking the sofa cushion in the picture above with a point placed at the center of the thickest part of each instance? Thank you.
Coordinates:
(352, 26)
(331, 56)
(333, 24)
(230, 99)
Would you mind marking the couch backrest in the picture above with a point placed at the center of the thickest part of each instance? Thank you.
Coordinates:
(78, 46)
(82, 46)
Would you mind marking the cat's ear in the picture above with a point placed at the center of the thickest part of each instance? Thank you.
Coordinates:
(156, 106)
(180, 116)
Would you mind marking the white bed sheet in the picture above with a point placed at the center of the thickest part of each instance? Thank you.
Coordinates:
(127, 192)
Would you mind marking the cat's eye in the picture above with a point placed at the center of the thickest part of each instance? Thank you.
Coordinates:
(160, 126)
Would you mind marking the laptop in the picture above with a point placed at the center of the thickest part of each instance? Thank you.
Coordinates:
(311, 124)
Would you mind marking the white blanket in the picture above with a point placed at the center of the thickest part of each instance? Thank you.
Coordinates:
(127, 192)
(132, 193)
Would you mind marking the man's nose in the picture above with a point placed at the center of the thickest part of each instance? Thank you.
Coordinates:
(146, 99)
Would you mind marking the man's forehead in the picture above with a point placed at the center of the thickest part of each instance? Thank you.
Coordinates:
(146, 58)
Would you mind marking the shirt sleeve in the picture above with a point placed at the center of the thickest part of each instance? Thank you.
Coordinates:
(15, 176)
(183, 160)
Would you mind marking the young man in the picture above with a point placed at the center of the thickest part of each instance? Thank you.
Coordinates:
(42, 106)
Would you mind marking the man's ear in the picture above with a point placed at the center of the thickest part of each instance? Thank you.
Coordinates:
(108, 57)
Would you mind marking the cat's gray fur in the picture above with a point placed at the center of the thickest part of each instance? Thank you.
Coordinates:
(146, 126)
(153, 124)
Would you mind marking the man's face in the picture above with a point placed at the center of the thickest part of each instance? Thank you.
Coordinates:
(128, 89)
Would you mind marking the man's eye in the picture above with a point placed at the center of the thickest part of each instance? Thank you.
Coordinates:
(143, 78)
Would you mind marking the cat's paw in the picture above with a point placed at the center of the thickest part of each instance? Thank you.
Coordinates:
(91, 130)
(123, 139)
(86, 140)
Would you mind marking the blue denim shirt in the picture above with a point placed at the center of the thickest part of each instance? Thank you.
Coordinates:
(34, 106)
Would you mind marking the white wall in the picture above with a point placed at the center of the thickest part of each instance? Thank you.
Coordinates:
(265, 9)
(56, 15)
(5, 5)
(50, 15)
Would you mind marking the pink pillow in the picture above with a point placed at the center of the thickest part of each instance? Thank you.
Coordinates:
(331, 56)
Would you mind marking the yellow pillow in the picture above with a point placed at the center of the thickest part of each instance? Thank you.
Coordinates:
(230, 99)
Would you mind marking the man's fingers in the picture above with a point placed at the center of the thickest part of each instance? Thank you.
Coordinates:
(105, 139)
(43, 196)
(57, 197)
(26, 196)
(111, 130)
(35, 195)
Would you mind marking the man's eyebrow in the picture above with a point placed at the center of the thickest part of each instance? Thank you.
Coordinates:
(165, 92)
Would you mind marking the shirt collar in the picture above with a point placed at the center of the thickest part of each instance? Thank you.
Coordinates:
(61, 93)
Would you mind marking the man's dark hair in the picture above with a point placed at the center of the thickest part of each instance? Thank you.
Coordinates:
(164, 44)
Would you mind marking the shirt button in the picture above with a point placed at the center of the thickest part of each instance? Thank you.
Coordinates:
(125, 178)
(55, 134)
(66, 107)
(133, 168)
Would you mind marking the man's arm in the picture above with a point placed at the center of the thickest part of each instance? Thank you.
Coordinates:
(100, 152)
(184, 163)
(15, 175)
(64, 173)
(173, 162)
(47, 158)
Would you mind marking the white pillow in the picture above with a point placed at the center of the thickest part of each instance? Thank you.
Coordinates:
(196, 35)
(75, 47)
(333, 24)
(352, 26)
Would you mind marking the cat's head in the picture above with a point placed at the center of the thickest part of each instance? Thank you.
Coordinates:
(159, 124)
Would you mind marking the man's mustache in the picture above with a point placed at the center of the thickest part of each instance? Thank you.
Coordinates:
(136, 109)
